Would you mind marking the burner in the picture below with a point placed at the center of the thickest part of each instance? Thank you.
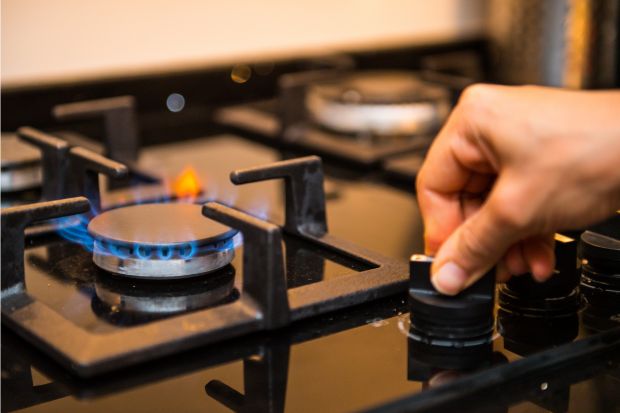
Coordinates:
(21, 165)
(378, 103)
(160, 241)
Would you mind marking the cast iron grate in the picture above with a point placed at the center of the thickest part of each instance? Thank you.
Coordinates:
(264, 303)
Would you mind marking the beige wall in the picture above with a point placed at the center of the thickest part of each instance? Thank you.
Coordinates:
(61, 40)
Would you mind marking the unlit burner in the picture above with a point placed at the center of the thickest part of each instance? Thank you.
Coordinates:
(380, 103)
(21, 165)
(160, 241)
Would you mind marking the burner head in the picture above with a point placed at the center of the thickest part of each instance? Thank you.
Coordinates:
(380, 103)
(160, 241)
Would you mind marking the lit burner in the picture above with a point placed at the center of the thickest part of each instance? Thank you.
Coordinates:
(160, 241)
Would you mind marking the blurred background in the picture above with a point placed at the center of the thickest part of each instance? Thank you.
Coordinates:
(68, 40)
(557, 42)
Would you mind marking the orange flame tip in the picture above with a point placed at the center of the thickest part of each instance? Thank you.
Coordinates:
(187, 184)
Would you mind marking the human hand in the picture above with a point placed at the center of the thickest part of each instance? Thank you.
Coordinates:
(511, 166)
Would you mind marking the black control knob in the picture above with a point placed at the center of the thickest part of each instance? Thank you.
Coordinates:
(557, 296)
(600, 272)
(451, 321)
(535, 315)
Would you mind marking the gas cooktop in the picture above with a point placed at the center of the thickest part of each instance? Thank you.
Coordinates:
(236, 270)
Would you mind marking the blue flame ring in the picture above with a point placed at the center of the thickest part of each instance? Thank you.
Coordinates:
(142, 252)
(187, 251)
(164, 253)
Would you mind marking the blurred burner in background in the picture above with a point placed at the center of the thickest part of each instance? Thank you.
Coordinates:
(378, 104)
(362, 117)
(21, 166)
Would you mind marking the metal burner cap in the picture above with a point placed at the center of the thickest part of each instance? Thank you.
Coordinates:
(160, 241)
(379, 103)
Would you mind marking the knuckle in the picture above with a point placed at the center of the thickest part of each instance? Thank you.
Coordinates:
(507, 216)
(474, 97)
(478, 102)
(509, 210)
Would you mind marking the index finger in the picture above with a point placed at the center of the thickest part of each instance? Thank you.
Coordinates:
(454, 165)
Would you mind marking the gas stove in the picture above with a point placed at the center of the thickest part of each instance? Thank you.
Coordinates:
(204, 256)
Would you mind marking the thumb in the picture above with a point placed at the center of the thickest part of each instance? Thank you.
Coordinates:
(474, 247)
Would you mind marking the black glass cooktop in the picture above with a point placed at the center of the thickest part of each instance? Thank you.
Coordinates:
(349, 360)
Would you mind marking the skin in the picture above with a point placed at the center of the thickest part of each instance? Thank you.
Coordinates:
(511, 166)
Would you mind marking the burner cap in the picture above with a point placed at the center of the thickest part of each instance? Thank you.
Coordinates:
(380, 103)
(160, 241)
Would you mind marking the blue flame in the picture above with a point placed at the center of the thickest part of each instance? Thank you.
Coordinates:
(187, 251)
(75, 230)
(142, 252)
(184, 251)
(164, 253)
(118, 251)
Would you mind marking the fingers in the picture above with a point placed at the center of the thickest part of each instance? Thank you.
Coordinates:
(455, 165)
(438, 184)
(496, 133)
(540, 256)
(501, 272)
(474, 247)
(534, 255)
(515, 260)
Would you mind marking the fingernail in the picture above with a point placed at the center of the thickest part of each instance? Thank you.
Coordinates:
(449, 279)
